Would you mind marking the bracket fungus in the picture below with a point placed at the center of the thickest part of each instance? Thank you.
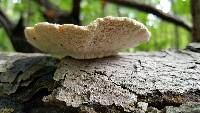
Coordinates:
(103, 37)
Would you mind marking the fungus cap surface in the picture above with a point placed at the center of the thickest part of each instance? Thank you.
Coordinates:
(103, 37)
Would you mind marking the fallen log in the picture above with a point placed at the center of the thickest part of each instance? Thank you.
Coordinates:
(154, 82)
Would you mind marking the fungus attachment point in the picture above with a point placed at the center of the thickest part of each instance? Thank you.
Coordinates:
(103, 37)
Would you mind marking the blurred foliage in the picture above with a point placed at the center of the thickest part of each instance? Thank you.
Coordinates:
(163, 34)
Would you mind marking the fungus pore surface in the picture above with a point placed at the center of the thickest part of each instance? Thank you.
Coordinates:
(102, 37)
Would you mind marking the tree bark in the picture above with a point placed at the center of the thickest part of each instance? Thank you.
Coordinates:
(155, 82)
(195, 8)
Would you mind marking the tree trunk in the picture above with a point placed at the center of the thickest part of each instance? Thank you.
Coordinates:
(195, 8)
(166, 82)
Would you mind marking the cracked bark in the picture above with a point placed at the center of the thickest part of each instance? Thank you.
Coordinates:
(165, 81)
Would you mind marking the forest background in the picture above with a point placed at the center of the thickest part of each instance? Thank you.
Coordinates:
(169, 21)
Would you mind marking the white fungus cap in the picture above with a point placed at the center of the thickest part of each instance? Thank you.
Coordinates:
(101, 38)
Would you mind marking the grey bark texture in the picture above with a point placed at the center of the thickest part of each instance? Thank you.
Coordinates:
(156, 82)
